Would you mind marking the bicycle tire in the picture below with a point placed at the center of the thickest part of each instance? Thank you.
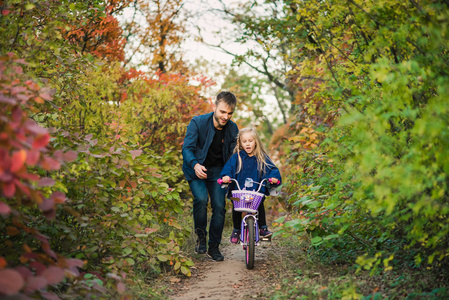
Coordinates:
(250, 250)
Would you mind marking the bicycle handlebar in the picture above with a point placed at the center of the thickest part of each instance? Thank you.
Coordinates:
(220, 182)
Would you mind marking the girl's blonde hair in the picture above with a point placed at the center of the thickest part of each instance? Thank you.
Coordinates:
(259, 150)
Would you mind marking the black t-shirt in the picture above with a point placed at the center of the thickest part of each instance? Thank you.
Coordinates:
(214, 156)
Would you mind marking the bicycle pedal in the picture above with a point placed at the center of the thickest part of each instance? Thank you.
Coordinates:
(266, 239)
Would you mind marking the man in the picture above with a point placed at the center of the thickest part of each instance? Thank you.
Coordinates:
(208, 144)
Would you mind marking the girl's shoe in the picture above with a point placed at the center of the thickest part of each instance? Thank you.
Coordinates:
(264, 232)
(235, 236)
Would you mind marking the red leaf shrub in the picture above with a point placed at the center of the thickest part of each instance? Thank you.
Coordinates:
(35, 283)
(11, 282)
(54, 275)
(41, 141)
(5, 210)
(25, 162)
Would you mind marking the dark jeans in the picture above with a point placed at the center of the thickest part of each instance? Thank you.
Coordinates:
(261, 218)
(202, 190)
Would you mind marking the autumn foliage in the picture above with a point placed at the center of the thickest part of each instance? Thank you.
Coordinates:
(90, 161)
(100, 33)
(25, 158)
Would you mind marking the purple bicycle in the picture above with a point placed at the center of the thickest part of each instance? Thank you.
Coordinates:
(248, 201)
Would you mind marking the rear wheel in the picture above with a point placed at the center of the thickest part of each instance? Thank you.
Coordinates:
(250, 237)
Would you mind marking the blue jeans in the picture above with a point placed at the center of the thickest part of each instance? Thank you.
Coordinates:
(202, 190)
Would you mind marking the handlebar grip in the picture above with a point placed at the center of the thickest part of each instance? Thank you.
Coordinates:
(220, 181)
(271, 181)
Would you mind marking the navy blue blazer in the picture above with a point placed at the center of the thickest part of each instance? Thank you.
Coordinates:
(199, 136)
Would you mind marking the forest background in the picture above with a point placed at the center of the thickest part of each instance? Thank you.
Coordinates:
(94, 111)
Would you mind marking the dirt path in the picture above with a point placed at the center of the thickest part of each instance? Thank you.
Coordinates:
(229, 279)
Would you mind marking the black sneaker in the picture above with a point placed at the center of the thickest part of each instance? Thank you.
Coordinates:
(214, 253)
(201, 245)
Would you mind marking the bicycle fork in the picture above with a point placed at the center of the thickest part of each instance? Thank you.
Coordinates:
(243, 240)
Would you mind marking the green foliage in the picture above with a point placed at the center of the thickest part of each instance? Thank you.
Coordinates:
(122, 208)
(375, 181)
(252, 107)
(126, 187)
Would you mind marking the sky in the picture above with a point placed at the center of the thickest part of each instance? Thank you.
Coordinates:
(214, 30)
(210, 24)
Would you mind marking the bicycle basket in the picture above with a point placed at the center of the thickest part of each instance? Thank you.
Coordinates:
(249, 201)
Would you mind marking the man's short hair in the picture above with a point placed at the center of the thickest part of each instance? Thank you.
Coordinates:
(227, 97)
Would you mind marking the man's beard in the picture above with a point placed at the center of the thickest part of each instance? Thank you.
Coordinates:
(218, 121)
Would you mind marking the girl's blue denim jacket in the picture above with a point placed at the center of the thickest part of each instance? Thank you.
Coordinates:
(249, 170)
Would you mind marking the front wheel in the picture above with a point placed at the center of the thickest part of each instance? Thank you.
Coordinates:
(250, 231)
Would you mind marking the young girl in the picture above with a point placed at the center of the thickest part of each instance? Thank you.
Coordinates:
(250, 160)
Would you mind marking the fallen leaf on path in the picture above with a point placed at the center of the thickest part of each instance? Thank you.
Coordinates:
(175, 280)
